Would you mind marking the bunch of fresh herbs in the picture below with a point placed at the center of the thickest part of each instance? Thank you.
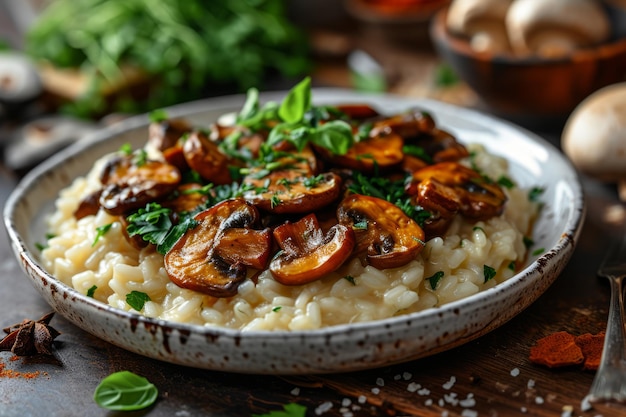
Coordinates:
(183, 47)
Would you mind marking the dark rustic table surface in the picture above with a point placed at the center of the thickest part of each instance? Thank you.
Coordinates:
(491, 376)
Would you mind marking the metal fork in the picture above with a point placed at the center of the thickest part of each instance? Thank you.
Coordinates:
(609, 383)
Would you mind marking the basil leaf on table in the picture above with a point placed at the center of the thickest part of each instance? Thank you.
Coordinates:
(125, 391)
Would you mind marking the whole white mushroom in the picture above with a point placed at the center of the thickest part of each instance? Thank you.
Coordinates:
(482, 22)
(553, 28)
(594, 136)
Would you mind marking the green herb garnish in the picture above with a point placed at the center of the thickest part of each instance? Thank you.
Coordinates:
(125, 391)
(506, 182)
(158, 115)
(101, 231)
(512, 266)
(350, 279)
(434, 280)
(535, 193)
(92, 290)
(488, 272)
(276, 309)
(137, 299)
(538, 251)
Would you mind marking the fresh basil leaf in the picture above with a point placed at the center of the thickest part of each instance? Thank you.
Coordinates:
(289, 410)
(297, 102)
(434, 280)
(336, 136)
(158, 115)
(125, 391)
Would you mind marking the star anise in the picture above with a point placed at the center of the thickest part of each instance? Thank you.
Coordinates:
(30, 337)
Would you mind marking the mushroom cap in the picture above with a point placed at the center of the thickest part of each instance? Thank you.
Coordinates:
(594, 136)
(556, 27)
(465, 16)
(483, 21)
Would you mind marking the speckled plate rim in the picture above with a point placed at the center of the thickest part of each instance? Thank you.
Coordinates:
(334, 349)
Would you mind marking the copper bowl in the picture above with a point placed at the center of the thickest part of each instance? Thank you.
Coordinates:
(530, 87)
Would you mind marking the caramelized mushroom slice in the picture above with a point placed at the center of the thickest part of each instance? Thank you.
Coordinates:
(477, 197)
(381, 150)
(287, 192)
(205, 157)
(406, 125)
(89, 205)
(246, 246)
(439, 146)
(194, 262)
(166, 133)
(307, 255)
(129, 184)
(358, 111)
(387, 236)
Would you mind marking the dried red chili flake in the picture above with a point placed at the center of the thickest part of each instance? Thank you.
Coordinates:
(557, 350)
(591, 346)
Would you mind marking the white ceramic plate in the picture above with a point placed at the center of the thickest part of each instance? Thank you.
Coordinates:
(534, 162)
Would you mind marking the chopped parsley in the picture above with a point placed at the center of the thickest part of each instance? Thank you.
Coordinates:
(418, 152)
(137, 299)
(535, 193)
(434, 280)
(528, 242)
(350, 279)
(276, 309)
(505, 182)
(538, 251)
(512, 266)
(91, 291)
(154, 225)
(488, 272)
(101, 231)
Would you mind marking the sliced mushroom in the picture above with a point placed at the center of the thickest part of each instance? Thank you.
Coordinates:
(249, 247)
(165, 134)
(384, 233)
(381, 150)
(194, 262)
(89, 205)
(445, 186)
(358, 111)
(187, 198)
(408, 125)
(307, 255)
(287, 192)
(129, 184)
(205, 157)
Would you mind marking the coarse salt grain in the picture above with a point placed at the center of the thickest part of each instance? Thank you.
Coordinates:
(295, 391)
(514, 372)
(531, 383)
(469, 413)
(397, 377)
(524, 410)
(375, 391)
(468, 402)
(451, 398)
(424, 391)
(538, 400)
(407, 375)
(323, 407)
(346, 402)
(428, 402)
(567, 411)
(362, 399)
(448, 385)
(380, 382)
(413, 386)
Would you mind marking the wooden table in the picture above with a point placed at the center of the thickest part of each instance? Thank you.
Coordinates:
(491, 376)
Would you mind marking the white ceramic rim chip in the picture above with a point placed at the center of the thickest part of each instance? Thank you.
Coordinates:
(533, 162)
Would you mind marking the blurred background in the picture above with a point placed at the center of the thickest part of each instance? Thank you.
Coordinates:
(70, 66)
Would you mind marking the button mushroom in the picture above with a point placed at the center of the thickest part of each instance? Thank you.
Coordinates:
(212, 258)
(205, 157)
(381, 150)
(307, 255)
(387, 236)
(594, 136)
(130, 183)
(556, 27)
(482, 22)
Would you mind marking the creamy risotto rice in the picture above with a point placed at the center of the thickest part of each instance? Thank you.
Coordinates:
(453, 265)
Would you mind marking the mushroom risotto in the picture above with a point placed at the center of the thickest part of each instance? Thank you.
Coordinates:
(293, 217)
